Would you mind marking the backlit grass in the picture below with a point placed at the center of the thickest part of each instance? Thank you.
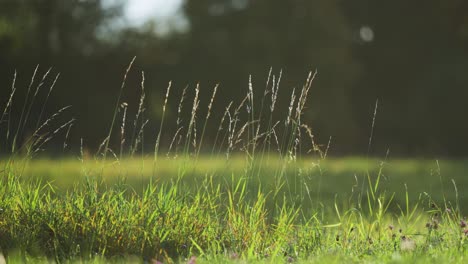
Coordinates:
(258, 190)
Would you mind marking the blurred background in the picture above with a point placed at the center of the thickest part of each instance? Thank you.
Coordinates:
(410, 55)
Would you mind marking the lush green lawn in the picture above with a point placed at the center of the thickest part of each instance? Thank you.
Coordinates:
(263, 210)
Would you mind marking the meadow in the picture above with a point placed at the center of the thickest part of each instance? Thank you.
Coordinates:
(262, 191)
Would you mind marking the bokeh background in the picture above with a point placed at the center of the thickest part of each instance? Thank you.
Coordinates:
(410, 55)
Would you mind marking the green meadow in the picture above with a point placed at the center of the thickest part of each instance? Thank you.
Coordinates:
(265, 193)
(213, 209)
(314, 181)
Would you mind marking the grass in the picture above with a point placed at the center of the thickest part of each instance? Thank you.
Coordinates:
(419, 176)
(258, 191)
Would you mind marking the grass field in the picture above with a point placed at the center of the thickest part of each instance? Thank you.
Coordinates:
(222, 210)
(322, 180)
(265, 193)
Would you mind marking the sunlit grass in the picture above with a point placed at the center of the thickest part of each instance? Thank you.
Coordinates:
(261, 190)
(224, 217)
(419, 176)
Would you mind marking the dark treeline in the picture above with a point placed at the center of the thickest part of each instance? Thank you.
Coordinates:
(410, 55)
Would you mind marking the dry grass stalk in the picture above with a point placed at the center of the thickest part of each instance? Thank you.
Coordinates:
(304, 93)
(291, 106)
(8, 106)
(122, 127)
(192, 124)
(373, 125)
(50, 119)
(38, 87)
(33, 78)
(36, 145)
(173, 140)
(179, 108)
(158, 138)
(47, 99)
(65, 144)
(117, 105)
(141, 109)
(220, 127)
(210, 105)
(233, 119)
(315, 147)
(274, 91)
(139, 138)
(250, 96)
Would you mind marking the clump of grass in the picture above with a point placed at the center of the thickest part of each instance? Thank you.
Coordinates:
(256, 206)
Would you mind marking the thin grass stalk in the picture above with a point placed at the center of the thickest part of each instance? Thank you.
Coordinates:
(81, 157)
(210, 105)
(220, 128)
(139, 138)
(10, 99)
(50, 119)
(295, 131)
(8, 108)
(179, 119)
(368, 149)
(139, 112)
(315, 148)
(372, 127)
(101, 147)
(173, 140)
(15, 138)
(116, 109)
(194, 140)
(36, 146)
(251, 132)
(188, 136)
(65, 144)
(36, 136)
(233, 125)
(265, 93)
(303, 98)
(180, 107)
(122, 128)
(238, 136)
(260, 115)
(47, 99)
(287, 123)
(38, 87)
(274, 96)
(289, 144)
(156, 146)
